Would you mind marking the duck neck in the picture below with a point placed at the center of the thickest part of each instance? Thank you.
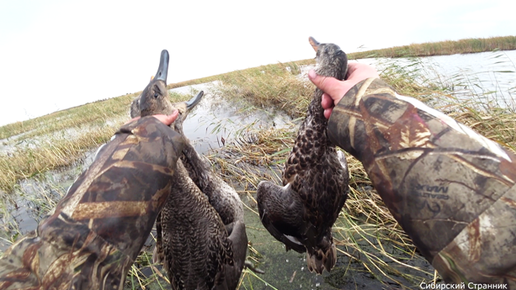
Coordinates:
(315, 109)
(197, 169)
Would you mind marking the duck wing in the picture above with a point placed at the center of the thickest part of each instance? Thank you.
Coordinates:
(157, 254)
(222, 197)
(195, 243)
(238, 238)
(282, 214)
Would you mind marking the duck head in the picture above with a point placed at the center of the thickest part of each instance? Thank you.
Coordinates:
(330, 59)
(155, 98)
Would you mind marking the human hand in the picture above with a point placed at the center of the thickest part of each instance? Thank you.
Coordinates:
(165, 119)
(334, 89)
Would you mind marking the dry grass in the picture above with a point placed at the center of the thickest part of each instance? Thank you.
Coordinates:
(470, 45)
(365, 232)
(278, 86)
(91, 113)
(52, 153)
(62, 138)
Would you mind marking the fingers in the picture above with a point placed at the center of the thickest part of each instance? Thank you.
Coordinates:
(165, 119)
(331, 86)
(327, 113)
(327, 101)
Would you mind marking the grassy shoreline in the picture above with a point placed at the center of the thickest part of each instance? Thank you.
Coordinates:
(463, 46)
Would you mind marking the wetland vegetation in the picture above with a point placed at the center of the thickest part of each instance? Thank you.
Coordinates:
(373, 250)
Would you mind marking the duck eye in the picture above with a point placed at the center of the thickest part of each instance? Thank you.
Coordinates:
(156, 95)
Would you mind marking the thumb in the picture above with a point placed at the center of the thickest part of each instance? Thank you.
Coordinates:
(330, 85)
(167, 119)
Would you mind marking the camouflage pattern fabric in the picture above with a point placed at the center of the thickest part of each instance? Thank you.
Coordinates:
(99, 227)
(452, 190)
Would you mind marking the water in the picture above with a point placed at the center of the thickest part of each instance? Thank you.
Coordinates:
(487, 77)
(213, 121)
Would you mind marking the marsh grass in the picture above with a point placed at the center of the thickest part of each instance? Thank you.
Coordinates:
(365, 232)
(94, 112)
(470, 45)
(62, 138)
(277, 86)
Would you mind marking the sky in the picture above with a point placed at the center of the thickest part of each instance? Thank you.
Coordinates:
(59, 54)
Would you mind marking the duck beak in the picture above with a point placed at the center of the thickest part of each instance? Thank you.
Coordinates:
(194, 101)
(314, 43)
(161, 75)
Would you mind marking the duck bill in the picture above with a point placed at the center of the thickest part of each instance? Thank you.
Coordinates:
(194, 101)
(315, 44)
(163, 67)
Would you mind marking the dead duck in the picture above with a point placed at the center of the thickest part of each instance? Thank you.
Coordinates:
(301, 213)
(201, 236)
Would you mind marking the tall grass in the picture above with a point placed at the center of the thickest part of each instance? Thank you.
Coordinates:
(91, 113)
(470, 45)
(61, 138)
(277, 86)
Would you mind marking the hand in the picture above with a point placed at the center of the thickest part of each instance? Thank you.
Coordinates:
(165, 119)
(334, 89)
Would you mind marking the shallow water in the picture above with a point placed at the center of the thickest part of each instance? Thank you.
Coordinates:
(213, 121)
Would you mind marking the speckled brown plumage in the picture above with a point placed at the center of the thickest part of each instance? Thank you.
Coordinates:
(201, 235)
(315, 179)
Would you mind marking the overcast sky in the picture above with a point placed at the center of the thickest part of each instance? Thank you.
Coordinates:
(57, 54)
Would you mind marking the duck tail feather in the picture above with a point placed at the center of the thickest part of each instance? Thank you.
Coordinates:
(322, 259)
(157, 257)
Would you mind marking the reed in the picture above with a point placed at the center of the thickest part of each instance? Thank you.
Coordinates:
(469, 45)
(52, 153)
(95, 112)
(276, 86)
(62, 138)
(366, 233)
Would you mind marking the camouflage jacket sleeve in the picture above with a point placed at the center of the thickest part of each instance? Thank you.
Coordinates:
(451, 189)
(99, 227)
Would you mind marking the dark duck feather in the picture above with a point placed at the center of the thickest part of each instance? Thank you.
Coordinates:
(201, 236)
(301, 213)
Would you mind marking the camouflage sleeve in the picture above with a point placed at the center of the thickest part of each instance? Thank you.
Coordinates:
(99, 227)
(451, 189)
